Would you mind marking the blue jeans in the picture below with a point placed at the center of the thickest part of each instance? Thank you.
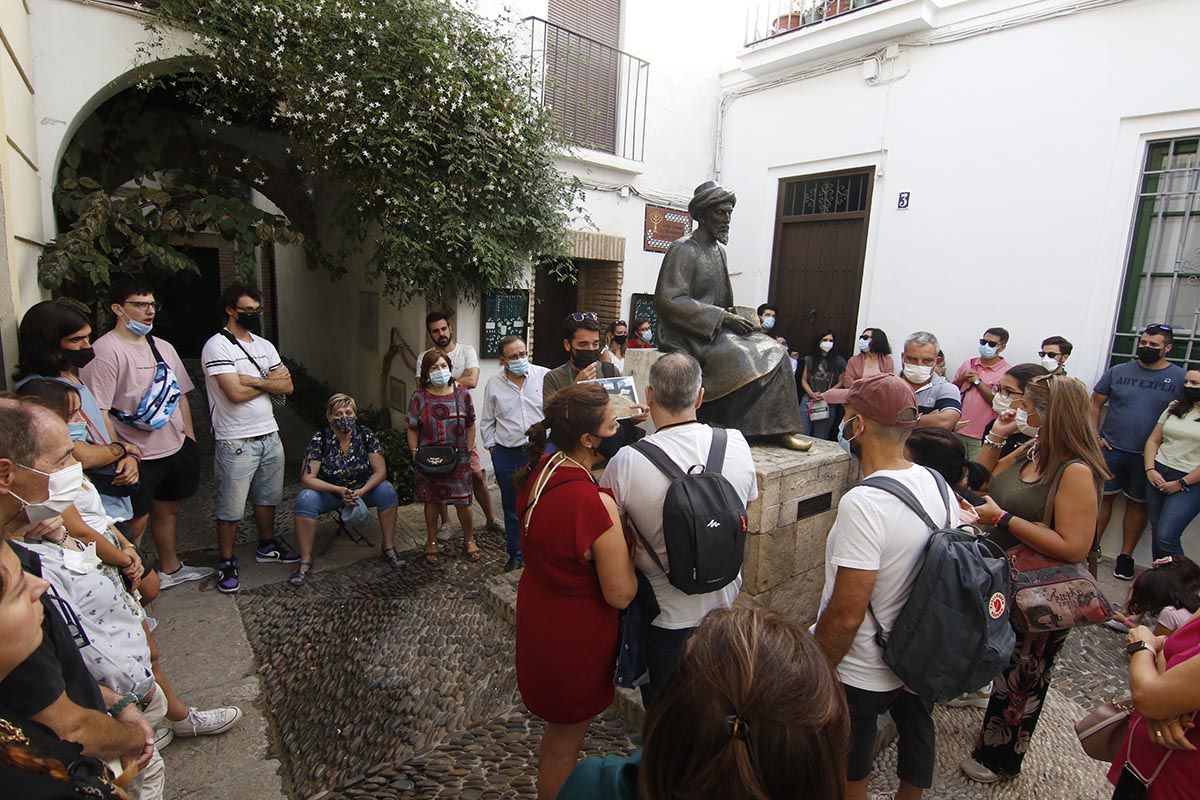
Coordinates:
(1170, 513)
(818, 429)
(247, 468)
(312, 504)
(506, 461)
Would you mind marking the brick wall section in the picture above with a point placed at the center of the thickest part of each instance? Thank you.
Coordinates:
(600, 259)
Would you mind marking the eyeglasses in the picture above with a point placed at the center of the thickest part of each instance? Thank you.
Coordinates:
(1044, 354)
(142, 305)
(580, 316)
(987, 342)
(252, 311)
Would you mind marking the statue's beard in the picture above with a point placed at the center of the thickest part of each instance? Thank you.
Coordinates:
(721, 235)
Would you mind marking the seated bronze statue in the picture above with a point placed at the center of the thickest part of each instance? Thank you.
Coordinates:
(748, 379)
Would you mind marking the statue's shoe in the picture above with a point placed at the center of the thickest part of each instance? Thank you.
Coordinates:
(794, 441)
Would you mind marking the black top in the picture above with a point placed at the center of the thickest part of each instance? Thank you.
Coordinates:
(824, 373)
(88, 776)
(55, 667)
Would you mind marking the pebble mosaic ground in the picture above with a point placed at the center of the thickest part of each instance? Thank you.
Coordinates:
(380, 685)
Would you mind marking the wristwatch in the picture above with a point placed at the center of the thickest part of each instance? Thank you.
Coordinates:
(976, 382)
(1137, 647)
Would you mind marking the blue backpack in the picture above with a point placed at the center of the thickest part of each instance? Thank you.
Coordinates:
(953, 635)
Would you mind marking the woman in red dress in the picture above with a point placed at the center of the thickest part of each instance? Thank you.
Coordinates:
(578, 574)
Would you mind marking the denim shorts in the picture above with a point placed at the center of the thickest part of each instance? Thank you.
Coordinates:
(311, 504)
(247, 468)
(1128, 474)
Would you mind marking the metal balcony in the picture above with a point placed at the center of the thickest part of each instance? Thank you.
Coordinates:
(597, 92)
(768, 19)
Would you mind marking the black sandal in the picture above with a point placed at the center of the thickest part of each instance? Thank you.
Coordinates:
(394, 561)
(301, 575)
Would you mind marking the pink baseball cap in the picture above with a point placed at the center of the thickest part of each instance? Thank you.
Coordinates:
(886, 399)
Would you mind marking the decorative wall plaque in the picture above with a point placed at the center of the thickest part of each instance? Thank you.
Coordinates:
(663, 226)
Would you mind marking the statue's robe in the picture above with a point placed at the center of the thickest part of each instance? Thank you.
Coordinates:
(748, 380)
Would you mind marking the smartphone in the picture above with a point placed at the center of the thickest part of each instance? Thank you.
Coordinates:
(973, 498)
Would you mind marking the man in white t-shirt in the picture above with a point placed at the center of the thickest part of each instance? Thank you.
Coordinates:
(241, 372)
(871, 560)
(674, 394)
(464, 368)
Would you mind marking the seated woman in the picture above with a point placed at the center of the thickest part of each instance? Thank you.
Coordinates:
(753, 710)
(578, 575)
(35, 763)
(343, 464)
(1159, 758)
(1169, 590)
(441, 413)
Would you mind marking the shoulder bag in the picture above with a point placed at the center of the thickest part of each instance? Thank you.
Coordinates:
(437, 460)
(1050, 594)
(277, 399)
(1103, 730)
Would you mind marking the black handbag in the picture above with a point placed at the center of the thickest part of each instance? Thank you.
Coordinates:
(437, 460)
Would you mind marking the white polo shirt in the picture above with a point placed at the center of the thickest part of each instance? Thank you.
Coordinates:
(640, 489)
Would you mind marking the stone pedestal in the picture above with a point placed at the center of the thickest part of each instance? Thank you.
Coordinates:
(797, 500)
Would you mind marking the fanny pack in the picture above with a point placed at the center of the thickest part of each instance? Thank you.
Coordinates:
(159, 401)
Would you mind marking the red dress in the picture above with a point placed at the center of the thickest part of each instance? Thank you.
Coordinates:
(566, 632)
(1179, 775)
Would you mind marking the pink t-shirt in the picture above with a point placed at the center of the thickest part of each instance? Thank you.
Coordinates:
(119, 376)
(1177, 780)
(976, 411)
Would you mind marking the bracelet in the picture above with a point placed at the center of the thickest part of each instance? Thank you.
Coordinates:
(124, 451)
(131, 562)
(1003, 520)
(1183, 487)
(58, 541)
(990, 442)
(126, 700)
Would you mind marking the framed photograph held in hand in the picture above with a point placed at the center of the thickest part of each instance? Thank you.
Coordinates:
(623, 393)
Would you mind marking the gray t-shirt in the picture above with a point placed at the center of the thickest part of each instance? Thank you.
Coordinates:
(1136, 398)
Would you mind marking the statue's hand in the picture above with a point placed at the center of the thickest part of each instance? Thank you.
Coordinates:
(739, 325)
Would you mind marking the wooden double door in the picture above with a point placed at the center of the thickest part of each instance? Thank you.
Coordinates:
(817, 262)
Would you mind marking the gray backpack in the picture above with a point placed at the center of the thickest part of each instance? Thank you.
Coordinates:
(953, 634)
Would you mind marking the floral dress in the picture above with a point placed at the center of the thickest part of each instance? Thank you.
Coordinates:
(443, 420)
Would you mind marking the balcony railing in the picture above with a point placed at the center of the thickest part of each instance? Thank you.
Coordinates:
(768, 19)
(597, 92)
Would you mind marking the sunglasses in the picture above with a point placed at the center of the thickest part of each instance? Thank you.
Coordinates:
(1044, 354)
(985, 342)
(866, 337)
(580, 316)
(1157, 327)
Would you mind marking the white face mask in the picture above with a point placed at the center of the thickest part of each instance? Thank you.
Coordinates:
(1023, 424)
(1001, 403)
(64, 486)
(1050, 363)
(863, 344)
(917, 374)
(988, 350)
(826, 346)
(83, 562)
(439, 377)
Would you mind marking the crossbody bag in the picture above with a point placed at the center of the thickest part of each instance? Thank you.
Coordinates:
(277, 399)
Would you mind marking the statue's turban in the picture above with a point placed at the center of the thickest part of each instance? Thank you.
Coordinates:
(708, 195)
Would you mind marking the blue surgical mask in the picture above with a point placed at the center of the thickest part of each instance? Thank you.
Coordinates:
(518, 366)
(863, 344)
(78, 431)
(439, 377)
(140, 328)
(768, 323)
(988, 350)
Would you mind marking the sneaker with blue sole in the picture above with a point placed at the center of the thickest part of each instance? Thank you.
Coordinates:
(275, 552)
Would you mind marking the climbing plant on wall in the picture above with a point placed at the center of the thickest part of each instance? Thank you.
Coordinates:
(416, 115)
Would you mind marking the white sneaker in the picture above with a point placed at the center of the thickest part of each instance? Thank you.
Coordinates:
(977, 699)
(207, 723)
(163, 736)
(444, 533)
(977, 772)
(167, 580)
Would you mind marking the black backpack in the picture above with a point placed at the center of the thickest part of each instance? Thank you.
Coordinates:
(953, 634)
(704, 521)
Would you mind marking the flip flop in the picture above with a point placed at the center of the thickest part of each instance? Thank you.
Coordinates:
(472, 552)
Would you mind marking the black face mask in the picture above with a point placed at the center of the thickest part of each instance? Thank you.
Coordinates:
(1191, 393)
(1148, 355)
(584, 358)
(79, 358)
(621, 339)
(609, 445)
(250, 322)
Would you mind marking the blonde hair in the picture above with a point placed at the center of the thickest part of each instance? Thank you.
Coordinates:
(1067, 432)
(338, 400)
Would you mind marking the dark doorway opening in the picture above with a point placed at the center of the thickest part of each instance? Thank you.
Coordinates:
(190, 313)
(553, 301)
(817, 264)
